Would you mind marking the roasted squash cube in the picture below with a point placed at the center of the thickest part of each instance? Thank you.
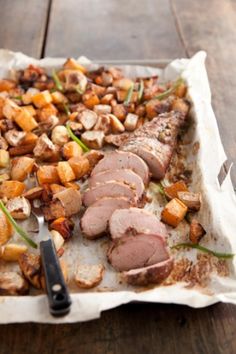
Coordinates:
(65, 172)
(47, 174)
(42, 98)
(25, 120)
(11, 189)
(174, 212)
(21, 167)
(80, 166)
(172, 191)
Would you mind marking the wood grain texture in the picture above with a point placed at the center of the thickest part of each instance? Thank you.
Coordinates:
(211, 25)
(113, 29)
(23, 25)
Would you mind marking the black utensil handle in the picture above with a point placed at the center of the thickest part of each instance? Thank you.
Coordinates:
(58, 295)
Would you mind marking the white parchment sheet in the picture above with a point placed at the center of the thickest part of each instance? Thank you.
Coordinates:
(218, 214)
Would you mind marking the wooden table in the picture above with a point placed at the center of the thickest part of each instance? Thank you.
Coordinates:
(122, 29)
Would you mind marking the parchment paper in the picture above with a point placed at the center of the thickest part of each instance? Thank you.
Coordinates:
(217, 213)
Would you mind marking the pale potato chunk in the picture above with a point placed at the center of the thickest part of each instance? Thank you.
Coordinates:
(89, 276)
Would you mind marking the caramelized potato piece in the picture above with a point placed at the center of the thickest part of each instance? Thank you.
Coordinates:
(55, 188)
(11, 189)
(80, 166)
(42, 98)
(44, 148)
(88, 119)
(10, 109)
(30, 109)
(93, 156)
(196, 232)
(90, 99)
(89, 276)
(191, 200)
(30, 266)
(58, 98)
(11, 252)
(64, 226)
(58, 240)
(120, 111)
(12, 283)
(6, 229)
(116, 125)
(70, 200)
(72, 149)
(94, 139)
(74, 65)
(4, 158)
(21, 167)
(33, 193)
(72, 185)
(46, 112)
(25, 120)
(131, 122)
(19, 208)
(174, 212)
(29, 139)
(60, 135)
(172, 191)
(47, 174)
(65, 172)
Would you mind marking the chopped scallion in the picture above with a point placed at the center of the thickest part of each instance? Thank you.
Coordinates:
(66, 108)
(57, 81)
(166, 93)
(203, 249)
(76, 139)
(129, 94)
(140, 91)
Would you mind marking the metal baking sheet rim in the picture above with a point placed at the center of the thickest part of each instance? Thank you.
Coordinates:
(84, 308)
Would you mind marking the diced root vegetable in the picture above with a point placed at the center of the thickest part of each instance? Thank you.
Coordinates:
(21, 167)
(72, 149)
(65, 172)
(47, 174)
(88, 119)
(19, 208)
(80, 166)
(11, 189)
(131, 121)
(93, 139)
(11, 252)
(172, 191)
(25, 121)
(42, 98)
(57, 239)
(116, 125)
(196, 232)
(191, 200)
(174, 212)
(89, 276)
(4, 158)
(64, 226)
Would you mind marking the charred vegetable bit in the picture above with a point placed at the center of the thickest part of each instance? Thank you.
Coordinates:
(57, 81)
(166, 93)
(17, 227)
(203, 249)
(129, 95)
(76, 139)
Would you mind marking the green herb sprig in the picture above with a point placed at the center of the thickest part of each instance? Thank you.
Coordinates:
(140, 91)
(129, 94)
(57, 81)
(76, 139)
(17, 227)
(66, 109)
(203, 249)
(166, 93)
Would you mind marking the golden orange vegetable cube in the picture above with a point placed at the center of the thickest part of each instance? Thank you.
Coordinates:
(30, 109)
(7, 85)
(65, 172)
(11, 189)
(90, 100)
(25, 120)
(73, 185)
(80, 166)
(58, 97)
(47, 174)
(6, 229)
(21, 167)
(10, 109)
(42, 98)
(29, 139)
(56, 188)
(174, 212)
(74, 65)
(72, 149)
(172, 190)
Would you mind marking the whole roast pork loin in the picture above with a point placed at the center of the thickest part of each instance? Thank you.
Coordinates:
(94, 222)
(133, 221)
(155, 141)
(142, 250)
(117, 160)
(153, 274)
(123, 175)
(111, 189)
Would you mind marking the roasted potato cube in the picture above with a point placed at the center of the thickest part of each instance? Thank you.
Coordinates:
(74, 65)
(30, 265)
(171, 191)
(60, 135)
(131, 121)
(72, 149)
(25, 120)
(64, 226)
(19, 208)
(174, 212)
(80, 166)
(58, 98)
(90, 99)
(53, 210)
(10, 109)
(196, 231)
(29, 139)
(30, 109)
(102, 109)
(57, 239)
(44, 148)
(120, 111)
(6, 229)
(12, 283)
(89, 276)
(107, 98)
(88, 119)
(21, 168)
(7, 85)
(11, 189)
(11, 252)
(4, 158)
(70, 200)
(42, 98)
(14, 137)
(33, 193)
(191, 200)
(47, 174)
(103, 123)
(65, 172)
(55, 188)
(93, 139)
(27, 97)
(116, 125)
(46, 112)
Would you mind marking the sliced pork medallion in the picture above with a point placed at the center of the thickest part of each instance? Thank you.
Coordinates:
(153, 274)
(131, 252)
(111, 189)
(126, 176)
(155, 141)
(94, 222)
(133, 221)
(117, 160)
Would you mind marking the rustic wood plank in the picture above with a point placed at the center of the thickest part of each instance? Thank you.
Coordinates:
(210, 25)
(23, 25)
(113, 30)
